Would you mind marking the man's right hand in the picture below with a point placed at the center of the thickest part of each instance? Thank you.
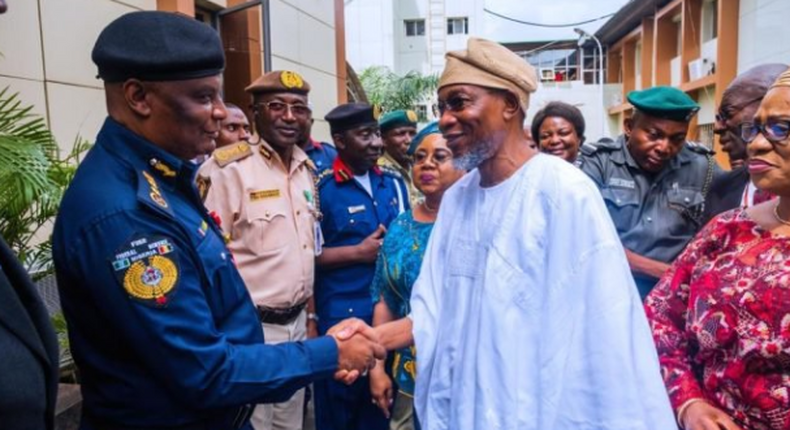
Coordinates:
(358, 348)
(704, 416)
(368, 249)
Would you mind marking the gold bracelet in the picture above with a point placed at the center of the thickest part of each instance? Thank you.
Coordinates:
(682, 409)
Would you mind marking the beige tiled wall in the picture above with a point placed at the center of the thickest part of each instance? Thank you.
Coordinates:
(46, 56)
(303, 39)
(46, 59)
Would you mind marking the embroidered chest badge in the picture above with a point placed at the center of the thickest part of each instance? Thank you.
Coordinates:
(264, 194)
(147, 269)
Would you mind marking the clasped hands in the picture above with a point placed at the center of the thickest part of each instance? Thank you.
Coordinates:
(358, 348)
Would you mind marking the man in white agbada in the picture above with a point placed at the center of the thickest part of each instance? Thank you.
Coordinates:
(525, 314)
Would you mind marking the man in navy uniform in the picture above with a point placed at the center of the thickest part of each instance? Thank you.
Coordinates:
(161, 325)
(654, 182)
(358, 201)
(321, 154)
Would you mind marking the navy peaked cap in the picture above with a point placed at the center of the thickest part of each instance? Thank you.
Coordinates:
(157, 46)
(351, 115)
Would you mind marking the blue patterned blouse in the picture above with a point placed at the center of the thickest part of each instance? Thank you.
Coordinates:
(397, 268)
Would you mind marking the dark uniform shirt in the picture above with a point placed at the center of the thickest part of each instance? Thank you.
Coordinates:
(350, 215)
(656, 215)
(161, 326)
(322, 155)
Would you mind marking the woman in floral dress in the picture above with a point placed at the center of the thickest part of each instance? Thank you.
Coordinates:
(721, 315)
(398, 266)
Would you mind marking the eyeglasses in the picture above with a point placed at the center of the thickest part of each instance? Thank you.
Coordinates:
(453, 104)
(723, 117)
(438, 157)
(775, 132)
(298, 110)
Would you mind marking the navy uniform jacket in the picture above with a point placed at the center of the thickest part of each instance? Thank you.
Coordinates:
(350, 215)
(321, 154)
(28, 351)
(161, 325)
(656, 215)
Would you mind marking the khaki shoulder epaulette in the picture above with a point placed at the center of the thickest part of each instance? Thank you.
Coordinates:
(231, 153)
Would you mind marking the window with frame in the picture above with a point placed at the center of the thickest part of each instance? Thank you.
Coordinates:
(457, 25)
(414, 27)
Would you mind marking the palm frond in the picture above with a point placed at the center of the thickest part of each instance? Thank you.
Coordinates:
(33, 178)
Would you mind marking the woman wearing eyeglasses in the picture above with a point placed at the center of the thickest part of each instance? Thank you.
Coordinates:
(399, 264)
(721, 315)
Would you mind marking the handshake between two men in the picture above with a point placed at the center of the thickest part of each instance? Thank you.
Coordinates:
(358, 348)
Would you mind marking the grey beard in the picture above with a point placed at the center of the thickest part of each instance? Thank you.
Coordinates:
(475, 157)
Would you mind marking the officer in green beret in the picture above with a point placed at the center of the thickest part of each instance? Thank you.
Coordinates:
(653, 181)
(398, 128)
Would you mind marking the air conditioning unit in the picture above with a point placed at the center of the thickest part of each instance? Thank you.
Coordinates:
(547, 74)
(700, 68)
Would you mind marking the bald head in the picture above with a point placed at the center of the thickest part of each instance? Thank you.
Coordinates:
(739, 104)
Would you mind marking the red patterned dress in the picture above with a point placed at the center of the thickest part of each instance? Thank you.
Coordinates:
(721, 322)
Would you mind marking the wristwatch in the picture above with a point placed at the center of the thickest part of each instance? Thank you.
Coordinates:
(312, 316)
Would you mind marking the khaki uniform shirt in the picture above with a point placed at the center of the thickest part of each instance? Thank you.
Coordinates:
(389, 163)
(268, 215)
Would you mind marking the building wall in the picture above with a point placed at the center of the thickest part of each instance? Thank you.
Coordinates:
(303, 40)
(764, 33)
(46, 47)
(585, 97)
(370, 38)
(376, 36)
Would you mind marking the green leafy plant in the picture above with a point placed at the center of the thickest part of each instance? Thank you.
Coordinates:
(392, 92)
(33, 178)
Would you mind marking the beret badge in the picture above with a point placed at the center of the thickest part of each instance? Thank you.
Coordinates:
(291, 80)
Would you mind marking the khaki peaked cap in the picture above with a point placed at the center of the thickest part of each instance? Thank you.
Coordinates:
(489, 64)
(279, 81)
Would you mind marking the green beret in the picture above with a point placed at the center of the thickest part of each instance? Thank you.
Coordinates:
(157, 46)
(397, 118)
(664, 102)
(279, 81)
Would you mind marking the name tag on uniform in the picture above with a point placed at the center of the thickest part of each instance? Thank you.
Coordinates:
(264, 194)
(356, 209)
(622, 183)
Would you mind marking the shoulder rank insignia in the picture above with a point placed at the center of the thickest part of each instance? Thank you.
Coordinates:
(265, 152)
(147, 268)
(154, 193)
(162, 168)
(321, 177)
(203, 184)
(231, 153)
(699, 148)
(589, 148)
(386, 168)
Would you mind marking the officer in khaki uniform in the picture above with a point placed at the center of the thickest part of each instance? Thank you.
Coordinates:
(398, 128)
(265, 197)
(653, 181)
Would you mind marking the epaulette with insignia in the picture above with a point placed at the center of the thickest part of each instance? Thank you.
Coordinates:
(231, 153)
(203, 184)
(321, 177)
(699, 148)
(606, 144)
(390, 171)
